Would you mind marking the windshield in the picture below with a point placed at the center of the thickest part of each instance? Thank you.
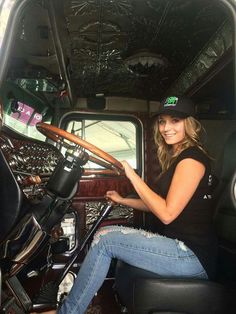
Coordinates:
(22, 110)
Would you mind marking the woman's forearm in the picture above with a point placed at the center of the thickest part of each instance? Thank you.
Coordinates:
(134, 203)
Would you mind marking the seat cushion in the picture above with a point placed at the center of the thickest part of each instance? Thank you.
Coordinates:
(144, 292)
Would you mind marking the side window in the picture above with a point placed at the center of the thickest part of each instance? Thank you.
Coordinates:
(119, 136)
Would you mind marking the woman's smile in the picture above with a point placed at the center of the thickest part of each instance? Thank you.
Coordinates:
(169, 135)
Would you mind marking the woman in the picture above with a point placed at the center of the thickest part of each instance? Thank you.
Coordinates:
(182, 201)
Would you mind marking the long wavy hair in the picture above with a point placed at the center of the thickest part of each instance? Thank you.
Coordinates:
(165, 154)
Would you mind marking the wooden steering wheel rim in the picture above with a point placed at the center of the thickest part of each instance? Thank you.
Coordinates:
(54, 133)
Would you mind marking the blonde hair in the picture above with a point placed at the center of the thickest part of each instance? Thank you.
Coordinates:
(192, 138)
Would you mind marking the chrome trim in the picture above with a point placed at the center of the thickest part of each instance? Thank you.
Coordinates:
(235, 191)
(32, 231)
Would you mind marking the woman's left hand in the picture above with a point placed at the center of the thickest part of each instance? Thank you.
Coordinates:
(129, 171)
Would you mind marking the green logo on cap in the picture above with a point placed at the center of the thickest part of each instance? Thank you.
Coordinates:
(171, 101)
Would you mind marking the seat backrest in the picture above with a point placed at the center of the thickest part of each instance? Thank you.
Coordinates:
(225, 216)
(229, 161)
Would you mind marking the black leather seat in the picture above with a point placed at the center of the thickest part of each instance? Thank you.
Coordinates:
(143, 292)
(11, 199)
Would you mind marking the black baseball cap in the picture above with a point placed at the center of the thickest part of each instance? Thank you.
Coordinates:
(179, 106)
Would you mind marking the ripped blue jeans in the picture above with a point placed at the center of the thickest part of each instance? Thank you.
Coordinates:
(158, 254)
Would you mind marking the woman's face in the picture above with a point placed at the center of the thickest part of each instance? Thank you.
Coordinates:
(172, 130)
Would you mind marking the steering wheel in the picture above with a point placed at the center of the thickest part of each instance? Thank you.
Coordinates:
(112, 165)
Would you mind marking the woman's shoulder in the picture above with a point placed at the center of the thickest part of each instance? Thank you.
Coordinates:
(196, 153)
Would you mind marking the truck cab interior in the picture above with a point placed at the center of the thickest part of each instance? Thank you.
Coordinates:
(80, 83)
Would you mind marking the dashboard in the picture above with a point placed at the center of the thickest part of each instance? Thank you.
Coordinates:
(32, 163)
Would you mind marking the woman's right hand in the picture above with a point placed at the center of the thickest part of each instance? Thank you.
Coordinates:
(114, 196)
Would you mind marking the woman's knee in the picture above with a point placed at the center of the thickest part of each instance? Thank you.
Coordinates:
(103, 234)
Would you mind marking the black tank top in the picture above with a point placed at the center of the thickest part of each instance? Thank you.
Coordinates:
(194, 226)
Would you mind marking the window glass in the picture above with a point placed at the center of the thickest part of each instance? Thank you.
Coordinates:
(117, 138)
(23, 110)
(23, 120)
